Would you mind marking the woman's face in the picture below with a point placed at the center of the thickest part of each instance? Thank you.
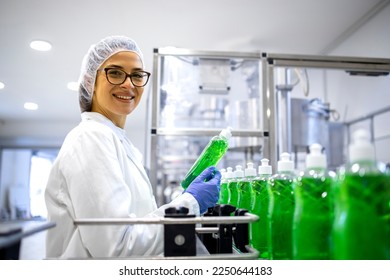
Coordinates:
(117, 101)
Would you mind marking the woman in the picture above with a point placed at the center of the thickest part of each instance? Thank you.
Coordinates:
(99, 173)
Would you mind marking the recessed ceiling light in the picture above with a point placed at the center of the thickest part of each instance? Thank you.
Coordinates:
(42, 46)
(2, 85)
(31, 106)
(73, 86)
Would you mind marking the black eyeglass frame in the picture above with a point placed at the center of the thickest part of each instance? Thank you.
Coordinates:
(131, 75)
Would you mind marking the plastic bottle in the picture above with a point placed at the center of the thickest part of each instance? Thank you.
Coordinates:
(281, 210)
(259, 207)
(361, 228)
(234, 198)
(224, 191)
(210, 156)
(245, 187)
(313, 216)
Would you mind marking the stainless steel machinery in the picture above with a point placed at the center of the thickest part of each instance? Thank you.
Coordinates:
(343, 83)
(198, 93)
(195, 95)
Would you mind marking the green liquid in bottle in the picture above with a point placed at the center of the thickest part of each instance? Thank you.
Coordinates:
(233, 193)
(313, 216)
(210, 156)
(224, 193)
(361, 229)
(280, 217)
(245, 194)
(259, 207)
(245, 188)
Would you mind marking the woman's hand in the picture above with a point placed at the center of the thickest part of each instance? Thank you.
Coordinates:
(205, 188)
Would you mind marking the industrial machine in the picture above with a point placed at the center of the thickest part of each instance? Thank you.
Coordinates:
(322, 99)
(275, 103)
(195, 95)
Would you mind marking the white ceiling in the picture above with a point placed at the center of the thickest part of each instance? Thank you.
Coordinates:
(285, 26)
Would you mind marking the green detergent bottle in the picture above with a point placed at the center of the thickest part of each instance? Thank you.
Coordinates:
(259, 207)
(224, 191)
(313, 216)
(281, 210)
(245, 187)
(210, 156)
(361, 228)
(234, 198)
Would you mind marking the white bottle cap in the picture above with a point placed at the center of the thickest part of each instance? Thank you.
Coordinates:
(250, 171)
(226, 132)
(315, 159)
(223, 173)
(229, 173)
(361, 147)
(285, 164)
(238, 173)
(264, 168)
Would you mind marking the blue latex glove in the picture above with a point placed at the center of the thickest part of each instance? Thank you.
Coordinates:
(205, 188)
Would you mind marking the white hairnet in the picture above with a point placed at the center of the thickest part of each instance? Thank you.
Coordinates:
(95, 57)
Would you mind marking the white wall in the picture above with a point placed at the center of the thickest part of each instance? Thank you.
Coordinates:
(370, 40)
(367, 95)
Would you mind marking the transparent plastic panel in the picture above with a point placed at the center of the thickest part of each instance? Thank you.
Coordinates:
(327, 105)
(209, 93)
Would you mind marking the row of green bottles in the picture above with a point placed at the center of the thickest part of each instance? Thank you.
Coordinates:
(317, 214)
(245, 190)
(338, 216)
(236, 187)
(345, 215)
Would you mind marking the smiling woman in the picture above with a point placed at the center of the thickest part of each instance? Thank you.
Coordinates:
(99, 172)
(118, 93)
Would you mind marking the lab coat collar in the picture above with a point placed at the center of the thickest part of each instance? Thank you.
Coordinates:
(132, 153)
(104, 120)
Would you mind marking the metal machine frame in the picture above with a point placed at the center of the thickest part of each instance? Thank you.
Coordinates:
(358, 65)
(269, 61)
(156, 131)
(217, 223)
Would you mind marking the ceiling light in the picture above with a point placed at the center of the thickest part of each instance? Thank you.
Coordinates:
(2, 85)
(31, 106)
(42, 46)
(73, 86)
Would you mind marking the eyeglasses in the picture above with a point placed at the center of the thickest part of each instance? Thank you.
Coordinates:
(116, 76)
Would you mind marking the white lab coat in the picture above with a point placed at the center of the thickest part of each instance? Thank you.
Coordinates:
(99, 174)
